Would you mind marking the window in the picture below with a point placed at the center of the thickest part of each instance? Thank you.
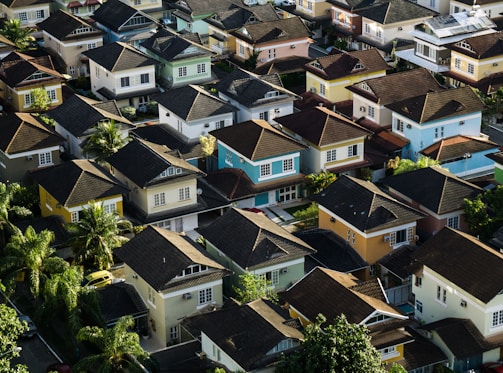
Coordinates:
(287, 193)
(184, 194)
(23, 17)
(97, 72)
(352, 150)
(471, 68)
(52, 94)
(136, 2)
(271, 53)
(432, 4)
(125, 81)
(27, 99)
(379, 33)
(182, 71)
(74, 217)
(419, 282)
(453, 222)
(457, 63)
(91, 46)
(331, 155)
(441, 294)
(205, 296)
(399, 125)
(40, 14)
(367, 28)
(287, 165)
(497, 318)
(74, 10)
(228, 157)
(322, 89)
(264, 115)
(151, 295)
(159, 199)
(201, 68)
(110, 208)
(220, 124)
(173, 333)
(371, 111)
(398, 237)
(144, 78)
(44, 159)
(273, 277)
(71, 70)
(265, 169)
(241, 50)
(439, 133)
(419, 306)
(91, 8)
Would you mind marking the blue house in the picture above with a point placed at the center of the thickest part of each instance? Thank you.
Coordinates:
(258, 165)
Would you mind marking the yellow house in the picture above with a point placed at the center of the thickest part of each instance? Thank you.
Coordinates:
(67, 188)
(328, 76)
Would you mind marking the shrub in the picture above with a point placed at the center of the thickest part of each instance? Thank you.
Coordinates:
(152, 108)
(128, 112)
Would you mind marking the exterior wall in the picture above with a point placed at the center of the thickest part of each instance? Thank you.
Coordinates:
(214, 353)
(221, 47)
(17, 95)
(342, 155)
(439, 6)
(319, 8)
(144, 5)
(481, 68)
(477, 164)
(81, 11)
(197, 26)
(383, 34)
(492, 9)
(28, 15)
(345, 20)
(498, 172)
(271, 51)
(13, 168)
(178, 224)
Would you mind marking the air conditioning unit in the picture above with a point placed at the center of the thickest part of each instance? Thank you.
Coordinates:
(277, 111)
(362, 109)
(29, 157)
(292, 46)
(400, 29)
(495, 64)
(463, 303)
(312, 89)
(387, 238)
(284, 270)
(262, 60)
(187, 296)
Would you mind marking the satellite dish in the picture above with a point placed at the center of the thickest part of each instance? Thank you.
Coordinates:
(199, 191)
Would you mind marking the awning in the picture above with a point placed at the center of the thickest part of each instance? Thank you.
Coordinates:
(74, 4)
(92, 2)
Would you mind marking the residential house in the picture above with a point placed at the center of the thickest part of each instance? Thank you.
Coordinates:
(272, 39)
(194, 112)
(223, 22)
(78, 118)
(371, 95)
(26, 144)
(67, 36)
(256, 97)
(438, 193)
(316, 14)
(154, 8)
(264, 160)
(333, 293)
(21, 73)
(247, 242)
(492, 8)
(345, 19)
(66, 189)
(122, 73)
(173, 277)
(429, 117)
(328, 76)
(497, 157)
(180, 60)
(371, 221)
(28, 12)
(121, 22)
(80, 8)
(476, 61)
(442, 7)
(334, 142)
(433, 37)
(249, 337)
(6, 47)
(163, 186)
(457, 288)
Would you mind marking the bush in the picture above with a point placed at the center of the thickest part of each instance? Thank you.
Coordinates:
(82, 83)
(152, 108)
(128, 112)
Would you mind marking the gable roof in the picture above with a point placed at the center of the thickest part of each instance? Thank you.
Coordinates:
(197, 7)
(159, 255)
(321, 126)
(77, 182)
(398, 260)
(119, 300)
(18, 66)
(119, 56)
(461, 23)
(253, 240)
(21, 132)
(231, 19)
(438, 105)
(395, 11)
(434, 188)
(13, 4)
(193, 103)
(464, 261)
(61, 24)
(363, 205)
(482, 46)
(352, 5)
(256, 139)
(115, 13)
(342, 64)
(78, 114)
(246, 333)
(458, 147)
(281, 30)
(143, 161)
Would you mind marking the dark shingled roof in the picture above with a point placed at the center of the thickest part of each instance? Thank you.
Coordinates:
(434, 188)
(13, 4)
(77, 182)
(198, 7)
(245, 332)
(352, 4)
(119, 56)
(321, 126)
(450, 250)
(21, 132)
(61, 24)
(231, 19)
(395, 11)
(18, 66)
(456, 147)
(53, 223)
(364, 205)
(256, 139)
(253, 240)
(398, 260)
(482, 46)
(283, 65)
(281, 30)
(193, 103)
(158, 256)
(119, 300)
(439, 105)
(115, 13)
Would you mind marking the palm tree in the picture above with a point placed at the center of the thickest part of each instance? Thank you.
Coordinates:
(105, 141)
(96, 234)
(21, 36)
(317, 182)
(119, 348)
(7, 193)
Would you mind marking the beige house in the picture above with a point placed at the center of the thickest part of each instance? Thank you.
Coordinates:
(29, 12)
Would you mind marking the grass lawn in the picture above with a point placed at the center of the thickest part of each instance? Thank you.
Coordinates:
(291, 210)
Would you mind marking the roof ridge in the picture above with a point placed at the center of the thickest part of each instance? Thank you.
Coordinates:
(193, 105)
(118, 58)
(14, 136)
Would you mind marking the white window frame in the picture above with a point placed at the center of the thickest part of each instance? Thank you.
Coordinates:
(471, 68)
(288, 165)
(323, 89)
(125, 82)
(184, 194)
(159, 199)
(331, 155)
(419, 306)
(453, 222)
(371, 111)
(201, 68)
(265, 170)
(44, 159)
(182, 71)
(352, 150)
(74, 216)
(205, 296)
(497, 319)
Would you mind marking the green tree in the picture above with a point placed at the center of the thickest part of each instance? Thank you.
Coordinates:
(207, 144)
(251, 62)
(96, 234)
(399, 166)
(119, 348)
(252, 287)
(316, 182)
(493, 105)
(8, 208)
(10, 330)
(484, 213)
(341, 347)
(21, 36)
(308, 216)
(40, 100)
(105, 141)
(397, 368)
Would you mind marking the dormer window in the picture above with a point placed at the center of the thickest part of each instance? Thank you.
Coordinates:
(317, 65)
(170, 171)
(463, 44)
(192, 269)
(358, 66)
(272, 94)
(377, 319)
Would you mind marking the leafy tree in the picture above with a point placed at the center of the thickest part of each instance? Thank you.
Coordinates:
(341, 347)
(484, 213)
(119, 348)
(397, 368)
(21, 36)
(10, 330)
(8, 208)
(96, 234)
(493, 105)
(40, 100)
(405, 165)
(252, 287)
(308, 216)
(316, 182)
(105, 141)
(251, 62)
(207, 144)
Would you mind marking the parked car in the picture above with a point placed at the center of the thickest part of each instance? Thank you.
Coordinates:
(492, 367)
(255, 210)
(32, 329)
(59, 368)
(98, 279)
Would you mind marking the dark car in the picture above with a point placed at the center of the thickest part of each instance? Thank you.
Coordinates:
(32, 329)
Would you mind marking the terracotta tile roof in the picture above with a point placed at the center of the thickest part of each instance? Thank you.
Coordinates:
(281, 30)
(456, 147)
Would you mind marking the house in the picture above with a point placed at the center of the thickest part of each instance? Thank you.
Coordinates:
(122, 73)
(181, 61)
(78, 118)
(316, 14)
(334, 142)
(66, 189)
(223, 22)
(497, 158)
(438, 193)
(256, 97)
(333, 293)
(371, 221)
(153, 8)
(345, 19)
(492, 8)
(457, 288)
(272, 39)
(123, 23)
(79, 8)
(67, 36)
(266, 159)
(26, 144)
(328, 76)
(195, 111)
(371, 95)
(247, 242)
(6, 47)
(247, 337)
(433, 37)
(21, 73)
(28, 12)
(173, 277)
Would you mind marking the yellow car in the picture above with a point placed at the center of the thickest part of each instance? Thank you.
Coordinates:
(98, 279)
